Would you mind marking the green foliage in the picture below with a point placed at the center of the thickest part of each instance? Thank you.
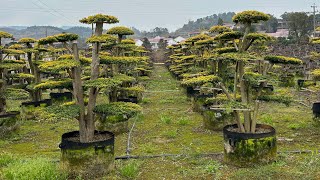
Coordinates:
(130, 41)
(103, 83)
(316, 74)
(219, 29)
(15, 46)
(65, 37)
(22, 76)
(55, 84)
(47, 40)
(135, 89)
(38, 168)
(120, 30)
(183, 121)
(121, 59)
(205, 42)
(253, 78)
(237, 57)
(248, 17)
(105, 38)
(58, 65)
(282, 60)
(83, 60)
(30, 50)
(284, 99)
(13, 51)
(229, 35)
(118, 109)
(225, 50)
(99, 18)
(16, 94)
(200, 80)
(124, 78)
(12, 64)
(198, 37)
(165, 119)
(27, 40)
(5, 35)
(130, 170)
(65, 111)
(259, 36)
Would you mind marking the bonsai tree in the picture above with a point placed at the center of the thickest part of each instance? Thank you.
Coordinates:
(121, 31)
(7, 65)
(242, 58)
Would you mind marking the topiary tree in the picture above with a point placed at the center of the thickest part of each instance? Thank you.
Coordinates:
(31, 51)
(120, 31)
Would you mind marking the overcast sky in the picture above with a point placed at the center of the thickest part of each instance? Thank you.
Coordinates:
(143, 14)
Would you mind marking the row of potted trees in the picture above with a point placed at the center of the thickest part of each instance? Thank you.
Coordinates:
(113, 67)
(228, 73)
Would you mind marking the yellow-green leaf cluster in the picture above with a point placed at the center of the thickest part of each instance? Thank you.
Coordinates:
(5, 35)
(283, 60)
(219, 29)
(99, 18)
(125, 109)
(248, 17)
(27, 40)
(120, 30)
(55, 84)
(200, 80)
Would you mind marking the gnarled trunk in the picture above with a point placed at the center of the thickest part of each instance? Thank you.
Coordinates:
(93, 92)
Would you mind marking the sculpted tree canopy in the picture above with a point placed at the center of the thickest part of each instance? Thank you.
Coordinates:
(219, 29)
(27, 40)
(120, 30)
(100, 18)
(5, 35)
(249, 17)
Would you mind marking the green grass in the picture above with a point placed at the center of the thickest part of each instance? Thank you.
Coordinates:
(168, 126)
(26, 169)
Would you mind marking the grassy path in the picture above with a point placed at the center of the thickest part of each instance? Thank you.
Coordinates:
(168, 126)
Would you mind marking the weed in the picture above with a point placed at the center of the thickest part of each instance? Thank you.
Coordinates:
(130, 170)
(183, 121)
(39, 168)
(170, 134)
(165, 119)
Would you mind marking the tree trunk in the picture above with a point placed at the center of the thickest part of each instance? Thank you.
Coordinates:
(86, 134)
(93, 92)
(3, 85)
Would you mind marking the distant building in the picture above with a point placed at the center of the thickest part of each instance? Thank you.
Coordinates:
(280, 33)
(179, 39)
(138, 42)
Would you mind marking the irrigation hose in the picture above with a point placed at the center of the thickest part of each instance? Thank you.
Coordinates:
(205, 155)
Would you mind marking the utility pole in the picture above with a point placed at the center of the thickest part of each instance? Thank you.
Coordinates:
(314, 19)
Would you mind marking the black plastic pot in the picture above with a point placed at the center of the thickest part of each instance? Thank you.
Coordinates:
(61, 96)
(129, 99)
(46, 102)
(8, 122)
(191, 91)
(269, 87)
(92, 160)
(247, 149)
(301, 82)
(316, 109)
(10, 114)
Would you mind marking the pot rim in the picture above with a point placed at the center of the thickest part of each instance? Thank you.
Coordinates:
(67, 144)
(10, 114)
(239, 135)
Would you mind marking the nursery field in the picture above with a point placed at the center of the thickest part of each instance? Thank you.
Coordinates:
(168, 141)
